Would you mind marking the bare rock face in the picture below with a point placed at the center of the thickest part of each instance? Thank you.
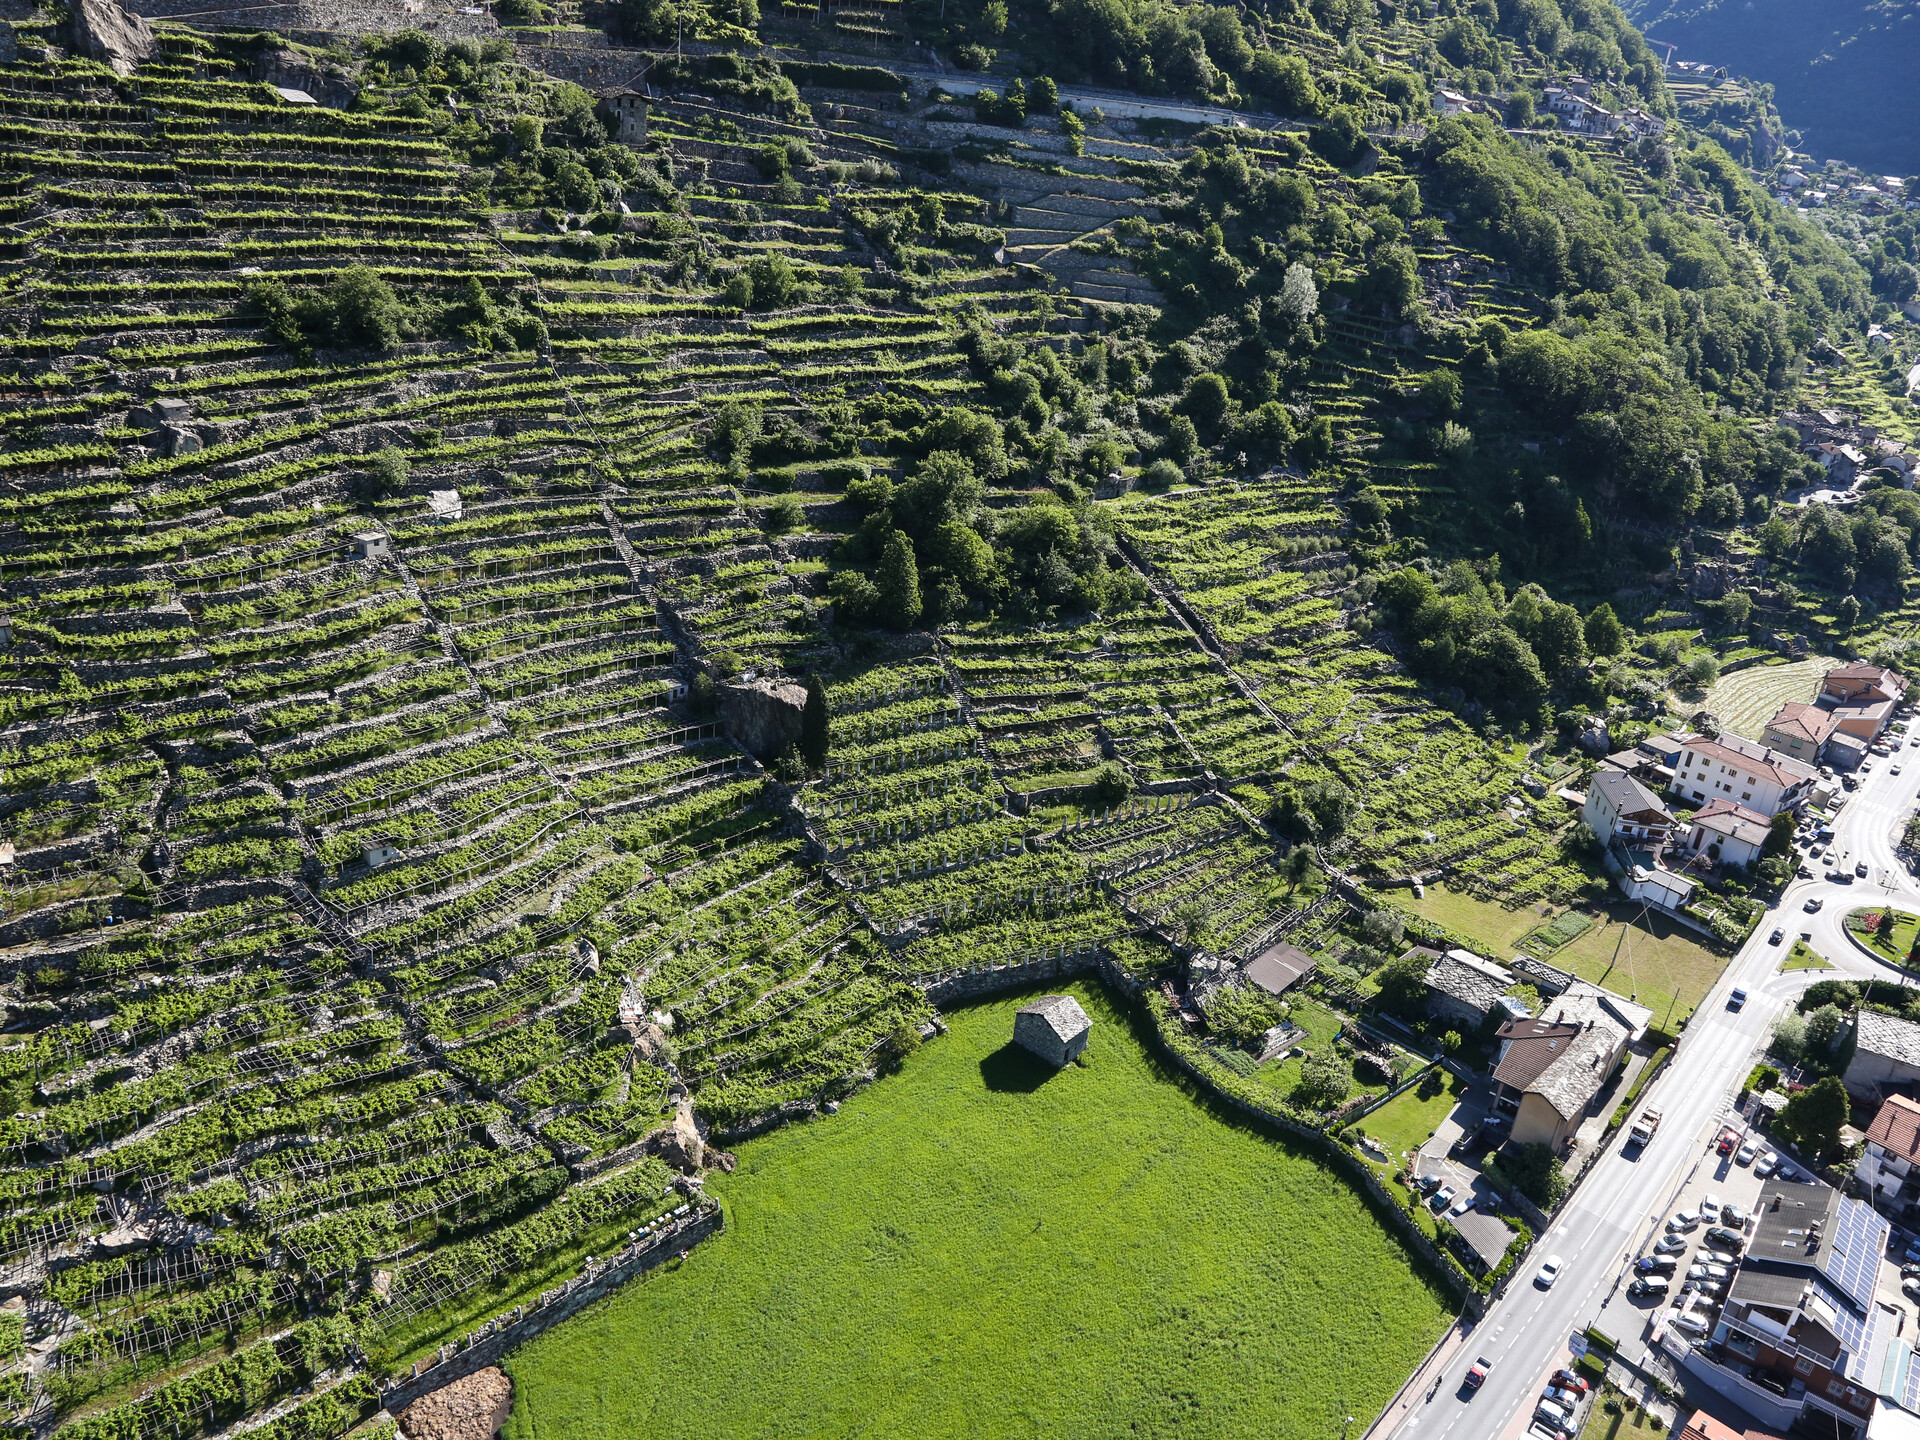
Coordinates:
(108, 33)
(471, 1408)
(764, 715)
(679, 1144)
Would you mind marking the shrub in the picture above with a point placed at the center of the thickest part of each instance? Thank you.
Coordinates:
(785, 514)
(1325, 1081)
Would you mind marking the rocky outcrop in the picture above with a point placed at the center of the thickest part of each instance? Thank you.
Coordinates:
(763, 715)
(473, 1407)
(106, 32)
(679, 1144)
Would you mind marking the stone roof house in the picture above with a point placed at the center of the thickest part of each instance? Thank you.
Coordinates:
(1619, 807)
(1054, 1027)
(1550, 1067)
(1462, 986)
(1800, 731)
(1886, 1057)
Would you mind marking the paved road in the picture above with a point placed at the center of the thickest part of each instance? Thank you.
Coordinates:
(1624, 1197)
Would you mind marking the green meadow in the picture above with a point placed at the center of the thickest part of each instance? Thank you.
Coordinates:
(977, 1246)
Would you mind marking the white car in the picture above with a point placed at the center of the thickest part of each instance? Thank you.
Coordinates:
(1462, 1205)
(1670, 1245)
(1683, 1220)
(1765, 1165)
(1718, 1257)
(1708, 1272)
(1690, 1325)
(1893, 770)
(1744, 1155)
(1710, 1207)
(1549, 1272)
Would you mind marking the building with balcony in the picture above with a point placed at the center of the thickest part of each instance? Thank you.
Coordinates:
(1804, 1335)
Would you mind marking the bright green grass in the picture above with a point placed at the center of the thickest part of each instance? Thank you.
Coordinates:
(1896, 947)
(1407, 1122)
(979, 1248)
(1804, 957)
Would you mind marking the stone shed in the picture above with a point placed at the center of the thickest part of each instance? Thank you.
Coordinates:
(1054, 1027)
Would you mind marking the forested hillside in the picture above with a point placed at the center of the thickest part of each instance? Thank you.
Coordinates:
(1837, 71)
(397, 497)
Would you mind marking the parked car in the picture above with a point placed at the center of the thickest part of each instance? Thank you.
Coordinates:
(1651, 1287)
(1690, 1324)
(1655, 1264)
(1721, 1238)
(1461, 1206)
(1710, 1206)
(1764, 1166)
(1567, 1380)
(1670, 1245)
(1709, 1272)
(1557, 1416)
(1569, 1399)
(1712, 1289)
(1784, 1170)
(1893, 770)
(1849, 783)
(1719, 1257)
(1735, 1219)
(1477, 1373)
(1549, 1272)
(1683, 1220)
(1442, 1198)
(1910, 1288)
(1910, 1269)
(1728, 1139)
(1744, 1155)
(1913, 1252)
(1429, 1183)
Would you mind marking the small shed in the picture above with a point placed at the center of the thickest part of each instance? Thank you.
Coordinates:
(6, 629)
(1054, 1027)
(377, 855)
(170, 411)
(1278, 968)
(293, 96)
(371, 544)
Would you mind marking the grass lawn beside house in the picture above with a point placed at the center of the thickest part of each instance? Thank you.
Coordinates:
(979, 1246)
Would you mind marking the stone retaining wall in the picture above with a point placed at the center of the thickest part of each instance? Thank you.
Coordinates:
(488, 1344)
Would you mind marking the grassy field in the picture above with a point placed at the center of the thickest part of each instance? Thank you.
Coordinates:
(1406, 1122)
(1497, 929)
(1645, 957)
(1747, 699)
(1632, 1423)
(979, 1247)
(1662, 964)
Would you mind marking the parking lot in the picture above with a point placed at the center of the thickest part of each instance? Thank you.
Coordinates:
(1480, 1226)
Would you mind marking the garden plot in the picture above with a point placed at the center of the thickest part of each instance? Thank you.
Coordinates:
(1745, 700)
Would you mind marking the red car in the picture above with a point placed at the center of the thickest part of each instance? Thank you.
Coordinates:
(1727, 1141)
(1477, 1375)
(1567, 1380)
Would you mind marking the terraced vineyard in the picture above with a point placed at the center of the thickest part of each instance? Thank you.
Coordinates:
(411, 512)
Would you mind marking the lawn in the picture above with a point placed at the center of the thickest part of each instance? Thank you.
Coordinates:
(1645, 957)
(1896, 947)
(1496, 929)
(1661, 963)
(1407, 1122)
(978, 1246)
(1746, 699)
(1632, 1423)
(1804, 957)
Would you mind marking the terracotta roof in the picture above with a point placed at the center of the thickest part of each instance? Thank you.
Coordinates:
(1278, 968)
(1860, 670)
(1808, 721)
(1897, 1127)
(1744, 754)
(1702, 1426)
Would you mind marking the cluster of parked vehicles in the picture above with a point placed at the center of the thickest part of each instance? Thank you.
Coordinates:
(1657, 1275)
(1559, 1407)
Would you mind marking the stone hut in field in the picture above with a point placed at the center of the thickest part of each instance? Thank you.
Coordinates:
(1054, 1027)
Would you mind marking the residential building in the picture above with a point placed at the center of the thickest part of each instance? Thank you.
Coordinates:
(1800, 731)
(1054, 1028)
(1462, 986)
(1862, 698)
(1644, 879)
(1728, 832)
(1702, 1426)
(1735, 769)
(1804, 1332)
(1886, 1057)
(1619, 807)
(1549, 1068)
(1887, 1166)
(1650, 762)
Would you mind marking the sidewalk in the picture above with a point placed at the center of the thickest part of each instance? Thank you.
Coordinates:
(1413, 1394)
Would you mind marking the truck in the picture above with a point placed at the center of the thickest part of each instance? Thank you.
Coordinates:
(1644, 1127)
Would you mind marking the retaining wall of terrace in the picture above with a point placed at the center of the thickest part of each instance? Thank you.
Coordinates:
(488, 1344)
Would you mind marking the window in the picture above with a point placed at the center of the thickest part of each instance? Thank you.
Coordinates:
(1802, 1365)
